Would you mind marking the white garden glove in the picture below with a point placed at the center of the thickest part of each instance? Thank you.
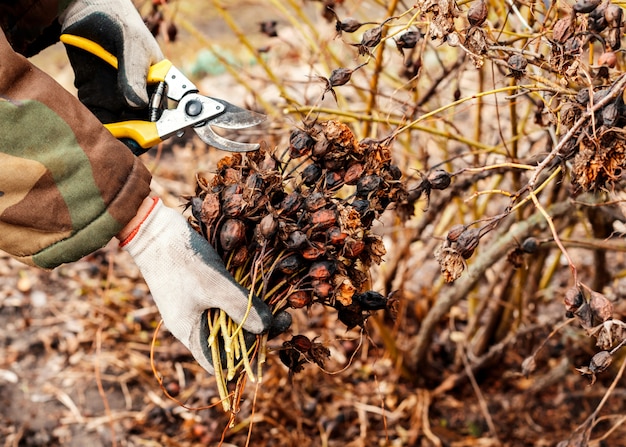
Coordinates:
(117, 26)
(187, 277)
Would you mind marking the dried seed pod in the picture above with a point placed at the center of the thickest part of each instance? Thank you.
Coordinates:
(335, 236)
(291, 264)
(407, 40)
(361, 206)
(601, 307)
(254, 181)
(352, 248)
(573, 299)
(322, 270)
(230, 189)
(439, 179)
(595, 20)
(563, 29)
(321, 148)
(268, 226)
(323, 219)
(530, 245)
(300, 143)
(340, 76)
(296, 240)
(348, 25)
(455, 232)
(395, 172)
(334, 180)
(467, 242)
(313, 251)
(334, 164)
(608, 58)
(477, 13)
(231, 177)
(232, 234)
(211, 208)
(614, 38)
(353, 173)
(322, 289)
(315, 201)
(311, 174)
(370, 300)
(613, 15)
(240, 256)
(372, 37)
(300, 299)
(585, 6)
(291, 203)
(368, 184)
(233, 205)
(517, 65)
(301, 343)
(600, 362)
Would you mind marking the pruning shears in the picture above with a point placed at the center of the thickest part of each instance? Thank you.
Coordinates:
(192, 110)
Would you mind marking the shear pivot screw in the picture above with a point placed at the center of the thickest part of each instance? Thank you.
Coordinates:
(193, 108)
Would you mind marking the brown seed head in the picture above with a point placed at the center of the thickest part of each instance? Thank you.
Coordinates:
(348, 25)
(300, 143)
(339, 76)
(573, 299)
(439, 179)
(407, 40)
(477, 14)
(300, 299)
(600, 362)
(353, 173)
(467, 242)
(585, 6)
(268, 226)
(323, 219)
(321, 270)
(232, 234)
(455, 232)
(353, 247)
(608, 58)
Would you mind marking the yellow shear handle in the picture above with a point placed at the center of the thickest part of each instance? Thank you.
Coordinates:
(145, 133)
(156, 74)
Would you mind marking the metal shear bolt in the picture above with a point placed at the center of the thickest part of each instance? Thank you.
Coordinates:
(193, 108)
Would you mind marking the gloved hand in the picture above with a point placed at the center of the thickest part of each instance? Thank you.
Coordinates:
(117, 26)
(187, 277)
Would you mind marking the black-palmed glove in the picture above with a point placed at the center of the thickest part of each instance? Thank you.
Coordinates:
(112, 95)
(186, 277)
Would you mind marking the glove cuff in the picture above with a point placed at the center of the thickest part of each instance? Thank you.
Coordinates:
(155, 201)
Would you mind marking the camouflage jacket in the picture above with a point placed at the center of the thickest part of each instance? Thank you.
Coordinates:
(66, 185)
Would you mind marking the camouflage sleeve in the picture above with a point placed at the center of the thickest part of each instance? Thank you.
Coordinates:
(66, 185)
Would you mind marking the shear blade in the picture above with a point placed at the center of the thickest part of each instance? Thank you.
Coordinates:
(235, 117)
(207, 135)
